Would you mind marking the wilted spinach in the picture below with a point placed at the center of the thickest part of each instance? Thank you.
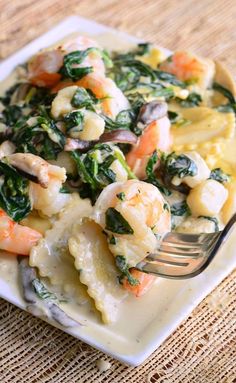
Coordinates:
(14, 193)
(70, 68)
(84, 99)
(193, 99)
(180, 209)
(122, 265)
(225, 92)
(116, 223)
(94, 168)
(151, 176)
(179, 165)
(43, 138)
(74, 121)
(217, 174)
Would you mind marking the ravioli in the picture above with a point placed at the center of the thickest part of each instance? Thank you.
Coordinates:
(97, 269)
(206, 131)
(51, 256)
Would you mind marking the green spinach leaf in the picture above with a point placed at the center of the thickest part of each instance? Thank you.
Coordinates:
(14, 193)
(180, 209)
(122, 265)
(116, 223)
(179, 165)
(217, 174)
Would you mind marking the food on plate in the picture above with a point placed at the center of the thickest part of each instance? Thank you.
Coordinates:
(102, 154)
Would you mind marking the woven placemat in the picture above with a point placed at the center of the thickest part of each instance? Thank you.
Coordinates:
(203, 348)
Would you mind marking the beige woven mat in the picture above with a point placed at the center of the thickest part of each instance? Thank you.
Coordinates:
(203, 348)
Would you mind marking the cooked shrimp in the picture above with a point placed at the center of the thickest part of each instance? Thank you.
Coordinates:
(147, 216)
(113, 100)
(43, 68)
(16, 238)
(45, 195)
(155, 136)
(145, 281)
(188, 67)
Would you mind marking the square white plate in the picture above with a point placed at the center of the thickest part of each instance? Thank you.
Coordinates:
(144, 322)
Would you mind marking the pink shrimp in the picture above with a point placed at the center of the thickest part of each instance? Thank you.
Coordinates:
(16, 238)
(113, 100)
(145, 282)
(188, 67)
(43, 68)
(144, 209)
(155, 136)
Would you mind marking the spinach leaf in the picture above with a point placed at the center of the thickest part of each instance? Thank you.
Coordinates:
(193, 99)
(179, 165)
(43, 138)
(84, 99)
(116, 223)
(180, 209)
(124, 120)
(94, 169)
(217, 174)
(6, 99)
(112, 240)
(151, 163)
(41, 291)
(142, 49)
(11, 114)
(151, 176)
(14, 193)
(169, 78)
(121, 196)
(162, 188)
(138, 67)
(212, 219)
(69, 69)
(225, 92)
(122, 265)
(173, 116)
(74, 121)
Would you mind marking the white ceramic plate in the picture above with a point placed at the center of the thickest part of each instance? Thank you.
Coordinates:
(145, 322)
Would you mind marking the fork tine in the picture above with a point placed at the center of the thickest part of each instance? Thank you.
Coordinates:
(183, 256)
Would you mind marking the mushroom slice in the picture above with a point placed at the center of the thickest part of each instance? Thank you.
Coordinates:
(97, 269)
(35, 168)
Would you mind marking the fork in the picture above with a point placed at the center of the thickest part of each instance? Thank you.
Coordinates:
(183, 256)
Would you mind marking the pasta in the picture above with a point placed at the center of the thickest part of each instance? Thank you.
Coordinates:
(51, 255)
(97, 270)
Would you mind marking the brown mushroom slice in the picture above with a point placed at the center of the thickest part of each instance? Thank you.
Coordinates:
(224, 77)
(35, 168)
(152, 111)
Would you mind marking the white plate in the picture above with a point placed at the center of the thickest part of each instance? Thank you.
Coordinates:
(145, 322)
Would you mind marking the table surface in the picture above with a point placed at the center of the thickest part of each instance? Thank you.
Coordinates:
(203, 348)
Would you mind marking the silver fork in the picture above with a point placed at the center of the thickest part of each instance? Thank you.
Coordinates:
(182, 256)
